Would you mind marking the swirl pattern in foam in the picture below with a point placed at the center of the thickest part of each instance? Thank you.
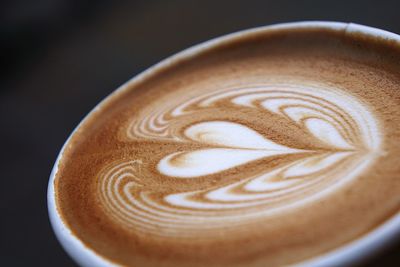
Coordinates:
(343, 139)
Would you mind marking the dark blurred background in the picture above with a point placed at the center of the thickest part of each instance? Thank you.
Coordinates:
(61, 57)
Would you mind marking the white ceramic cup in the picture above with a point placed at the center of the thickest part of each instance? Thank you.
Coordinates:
(351, 253)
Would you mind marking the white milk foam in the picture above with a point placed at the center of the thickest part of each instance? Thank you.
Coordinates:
(345, 126)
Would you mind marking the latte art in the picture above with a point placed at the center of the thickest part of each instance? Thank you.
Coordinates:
(343, 140)
(270, 149)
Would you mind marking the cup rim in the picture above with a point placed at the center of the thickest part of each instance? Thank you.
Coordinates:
(355, 251)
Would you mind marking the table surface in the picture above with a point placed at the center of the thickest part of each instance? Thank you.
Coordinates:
(62, 57)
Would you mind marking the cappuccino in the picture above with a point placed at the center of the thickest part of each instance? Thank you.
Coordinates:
(267, 149)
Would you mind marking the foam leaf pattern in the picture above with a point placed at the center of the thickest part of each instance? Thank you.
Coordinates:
(327, 137)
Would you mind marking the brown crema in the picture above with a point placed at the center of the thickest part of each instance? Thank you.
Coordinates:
(265, 150)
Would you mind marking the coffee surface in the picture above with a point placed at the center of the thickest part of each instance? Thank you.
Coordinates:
(266, 150)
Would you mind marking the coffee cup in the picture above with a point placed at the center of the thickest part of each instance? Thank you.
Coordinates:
(237, 153)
